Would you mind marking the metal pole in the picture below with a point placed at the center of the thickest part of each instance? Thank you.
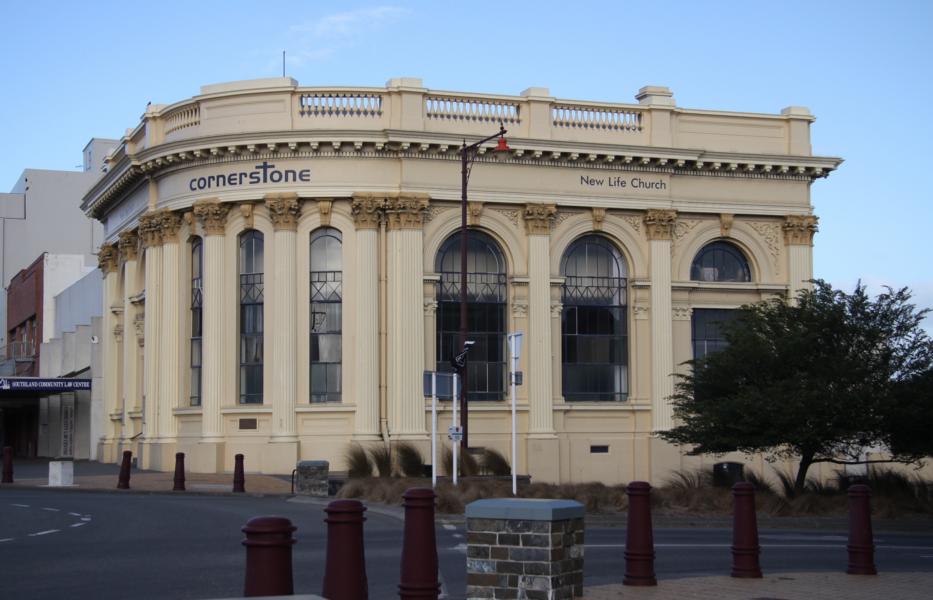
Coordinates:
(454, 467)
(514, 431)
(433, 430)
(464, 164)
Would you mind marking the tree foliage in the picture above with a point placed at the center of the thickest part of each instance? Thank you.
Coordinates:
(820, 379)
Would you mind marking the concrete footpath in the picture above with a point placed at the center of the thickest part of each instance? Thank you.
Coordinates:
(92, 476)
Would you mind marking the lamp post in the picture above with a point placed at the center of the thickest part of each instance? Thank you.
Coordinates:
(468, 154)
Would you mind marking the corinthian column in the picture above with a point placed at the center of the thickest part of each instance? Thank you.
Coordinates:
(405, 360)
(150, 231)
(107, 262)
(798, 236)
(659, 227)
(170, 367)
(213, 218)
(284, 210)
(367, 214)
(129, 248)
(538, 220)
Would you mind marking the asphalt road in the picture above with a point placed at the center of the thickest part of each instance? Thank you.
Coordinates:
(103, 545)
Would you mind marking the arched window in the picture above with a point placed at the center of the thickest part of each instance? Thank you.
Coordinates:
(326, 314)
(720, 261)
(594, 321)
(486, 320)
(251, 322)
(197, 297)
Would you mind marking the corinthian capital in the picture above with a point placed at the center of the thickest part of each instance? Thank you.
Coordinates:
(799, 229)
(212, 215)
(128, 245)
(367, 210)
(170, 223)
(538, 218)
(108, 258)
(284, 210)
(150, 229)
(406, 211)
(659, 224)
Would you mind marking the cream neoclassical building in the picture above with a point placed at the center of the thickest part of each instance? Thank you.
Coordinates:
(282, 264)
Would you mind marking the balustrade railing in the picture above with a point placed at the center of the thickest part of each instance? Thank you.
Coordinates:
(184, 117)
(471, 108)
(340, 104)
(596, 118)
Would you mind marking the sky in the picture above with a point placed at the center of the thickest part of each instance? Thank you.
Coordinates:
(76, 70)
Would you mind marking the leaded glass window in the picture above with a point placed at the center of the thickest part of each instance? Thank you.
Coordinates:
(594, 322)
(251, 317)
(197, 298)
(720, 261)
(706, 330)
(486, 318)
(326, 315)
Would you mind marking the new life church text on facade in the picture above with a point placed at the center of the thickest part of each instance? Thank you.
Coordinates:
(282, 264)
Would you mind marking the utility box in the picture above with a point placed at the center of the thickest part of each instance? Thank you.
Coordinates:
(311, 478)
(61, 473)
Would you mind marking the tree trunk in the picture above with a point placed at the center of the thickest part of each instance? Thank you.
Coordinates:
(806, 459)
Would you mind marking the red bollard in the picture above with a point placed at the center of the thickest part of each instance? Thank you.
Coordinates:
(239, 480)
(7, 464)
(745, 548)
(419, 548)
(268, 557)
(861, 541)
(345, 568)
(179, 472)
(639, 539)
(123, 483)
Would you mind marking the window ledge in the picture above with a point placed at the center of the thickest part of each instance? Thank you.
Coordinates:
(187, 410)
(325, 407)
(626, 406)
(247, 408)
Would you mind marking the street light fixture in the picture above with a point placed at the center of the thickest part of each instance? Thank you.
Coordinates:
(468, 154)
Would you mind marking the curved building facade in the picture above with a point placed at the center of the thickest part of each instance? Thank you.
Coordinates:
(282, 264)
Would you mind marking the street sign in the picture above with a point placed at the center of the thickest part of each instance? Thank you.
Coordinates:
(455, 433)
(444, 385)
(517, 377)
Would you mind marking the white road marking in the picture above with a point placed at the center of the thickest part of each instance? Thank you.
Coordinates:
(449, 527)
(75, 514)
(85, 518)
(877, 546)
(82, 524)
(21, 505)
(44, 532)
(459, 536)
(459, 547)
(7, 540)
(50, 509)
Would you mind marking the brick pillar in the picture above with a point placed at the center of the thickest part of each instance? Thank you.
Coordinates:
(524, 548)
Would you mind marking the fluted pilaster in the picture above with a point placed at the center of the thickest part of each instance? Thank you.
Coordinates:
(170, 364)
(128, 248)
(108, 262)
(366, 214)
(659, 226)
(212, 216)
(798, 236)
(150, 230)
(284, 210)
(538, 220)
(405, 360)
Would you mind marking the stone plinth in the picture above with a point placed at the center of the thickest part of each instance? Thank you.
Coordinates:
(525, 548)
(311, 479)
(61, 473)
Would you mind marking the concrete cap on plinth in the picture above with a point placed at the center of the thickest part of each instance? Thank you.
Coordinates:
(527, 509)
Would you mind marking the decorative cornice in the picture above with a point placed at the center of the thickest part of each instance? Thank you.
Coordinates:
(406, 211)
(150, 229)
(366, 210)
(799, 229)
(212, 215)
(128, 245)
(659, 224)
(108, 258)
(681, 313)
(284, 210)
(538, 218)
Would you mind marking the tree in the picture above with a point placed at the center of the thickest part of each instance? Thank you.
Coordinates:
(821, 379)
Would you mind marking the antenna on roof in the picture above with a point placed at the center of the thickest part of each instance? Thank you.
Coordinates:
(283, 63)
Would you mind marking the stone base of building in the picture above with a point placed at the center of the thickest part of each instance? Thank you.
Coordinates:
(277, 457)
(203, 457)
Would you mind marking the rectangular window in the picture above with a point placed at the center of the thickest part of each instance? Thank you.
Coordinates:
(707, 336)
(251, 338)
(326, 320)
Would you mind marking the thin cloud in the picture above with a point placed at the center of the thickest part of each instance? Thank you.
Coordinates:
(319, 39)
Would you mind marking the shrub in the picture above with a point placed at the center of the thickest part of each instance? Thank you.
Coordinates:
(382, 459)
(494, 463)
(409, 458)
(468, 465)
(358, 463)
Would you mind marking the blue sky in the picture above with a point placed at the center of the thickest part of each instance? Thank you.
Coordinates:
(81, 69)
